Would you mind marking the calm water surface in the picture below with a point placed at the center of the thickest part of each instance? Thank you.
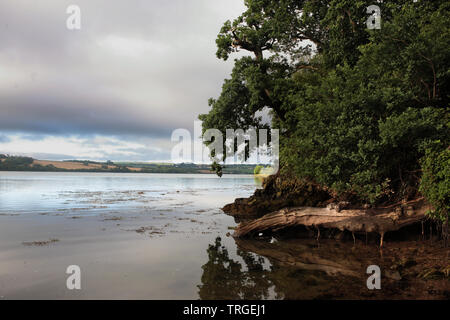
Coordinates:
(133, 235)
(151, 236)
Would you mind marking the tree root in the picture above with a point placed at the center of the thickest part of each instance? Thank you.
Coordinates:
(378, 220)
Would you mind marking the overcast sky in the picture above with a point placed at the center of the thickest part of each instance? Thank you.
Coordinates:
(117, 88)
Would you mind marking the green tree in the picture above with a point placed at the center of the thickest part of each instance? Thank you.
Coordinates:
(357, 108)
(257, 169)
(435, 184)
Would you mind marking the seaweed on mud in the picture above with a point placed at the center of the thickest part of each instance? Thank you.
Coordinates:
(113, 219)
(40, 243)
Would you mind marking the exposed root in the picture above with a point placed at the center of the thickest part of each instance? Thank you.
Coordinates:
(379, 220)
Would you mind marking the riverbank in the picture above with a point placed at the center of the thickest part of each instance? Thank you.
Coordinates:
(19, 163)
(286, 202)
(297, 224)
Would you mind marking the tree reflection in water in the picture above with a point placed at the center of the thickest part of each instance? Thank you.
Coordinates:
(295, 272)
(225, 278)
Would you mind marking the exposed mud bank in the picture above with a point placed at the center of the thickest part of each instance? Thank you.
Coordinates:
(287, 203)
(277, 193)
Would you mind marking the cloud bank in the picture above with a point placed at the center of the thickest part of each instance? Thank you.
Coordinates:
(136, 71)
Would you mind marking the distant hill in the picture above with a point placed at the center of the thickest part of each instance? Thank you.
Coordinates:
(18, 163)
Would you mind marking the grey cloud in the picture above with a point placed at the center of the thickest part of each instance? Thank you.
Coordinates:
(143, 154)
(4, 139)
(68, 113)
(50, 156)
(33, 137)
(70, 82)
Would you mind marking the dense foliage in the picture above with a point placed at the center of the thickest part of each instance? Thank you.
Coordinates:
(14, 162)
(357, 108)
(435, 184)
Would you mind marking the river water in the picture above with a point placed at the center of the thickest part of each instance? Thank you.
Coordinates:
(156, 236)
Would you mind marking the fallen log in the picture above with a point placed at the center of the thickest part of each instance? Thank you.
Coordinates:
(378, 220)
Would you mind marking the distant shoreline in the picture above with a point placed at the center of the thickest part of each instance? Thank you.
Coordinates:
(18, 163)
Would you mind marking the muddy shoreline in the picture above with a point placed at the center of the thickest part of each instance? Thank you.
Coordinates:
(297, 225)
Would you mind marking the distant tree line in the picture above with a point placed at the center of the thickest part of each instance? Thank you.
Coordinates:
(18, 163)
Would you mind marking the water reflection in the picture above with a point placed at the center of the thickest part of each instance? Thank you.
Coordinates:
(226, 278)
(281, 270)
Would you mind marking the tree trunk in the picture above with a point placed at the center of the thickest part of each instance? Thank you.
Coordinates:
(379, 220)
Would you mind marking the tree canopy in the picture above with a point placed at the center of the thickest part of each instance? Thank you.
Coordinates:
(357, 108)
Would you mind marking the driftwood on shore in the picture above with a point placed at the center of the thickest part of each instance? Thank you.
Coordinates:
(379, 220)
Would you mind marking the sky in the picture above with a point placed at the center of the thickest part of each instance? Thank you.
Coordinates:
(117, 88)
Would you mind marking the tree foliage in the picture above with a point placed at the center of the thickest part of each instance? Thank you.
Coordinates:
(357, 108)
(435, 183)
(257, 169)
